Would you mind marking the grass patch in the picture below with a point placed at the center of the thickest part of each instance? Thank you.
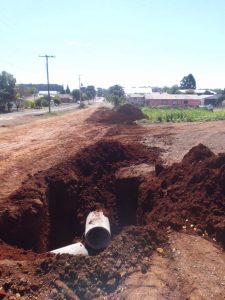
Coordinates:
(156, 115)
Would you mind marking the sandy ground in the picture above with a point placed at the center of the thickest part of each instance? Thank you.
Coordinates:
(191, 267)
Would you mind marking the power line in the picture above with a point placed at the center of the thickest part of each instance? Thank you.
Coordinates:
(49, 99)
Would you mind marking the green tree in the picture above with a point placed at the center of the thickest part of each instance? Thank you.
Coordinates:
(84, 96)
(221, 98)
(62, 91)
(26, 91)
(7, 90)
(42, 102)
(28, 104)
(90, 92)
(18, 102)
(99, 92)
(165, 89)
(173, 89)
(76, 95)
(188, 82)
(57, 100)
(43, 86)
(190, 92)
(115, 94)
(68, 90)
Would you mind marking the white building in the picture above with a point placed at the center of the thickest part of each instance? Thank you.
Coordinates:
(138, 90)
(45, 93)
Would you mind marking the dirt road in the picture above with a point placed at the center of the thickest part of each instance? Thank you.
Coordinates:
(40, 143)
(189, 267)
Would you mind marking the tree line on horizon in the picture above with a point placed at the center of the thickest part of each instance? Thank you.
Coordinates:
(10, 92)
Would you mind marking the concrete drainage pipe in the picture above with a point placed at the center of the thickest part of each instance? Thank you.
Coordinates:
(97, 230)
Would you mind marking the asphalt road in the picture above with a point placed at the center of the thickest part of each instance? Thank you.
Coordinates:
(33, 112)
(44, 110)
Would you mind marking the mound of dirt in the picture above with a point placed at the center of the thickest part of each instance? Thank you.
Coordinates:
(124, 114)
(50, 209)
(189, 195)
(100, 275)
(80, 277)
(131, 111)
(197, 154)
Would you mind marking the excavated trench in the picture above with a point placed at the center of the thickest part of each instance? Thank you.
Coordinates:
(49, 210)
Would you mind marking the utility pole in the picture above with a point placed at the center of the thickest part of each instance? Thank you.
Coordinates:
(79, 86)
(79, 89)
(49, 98)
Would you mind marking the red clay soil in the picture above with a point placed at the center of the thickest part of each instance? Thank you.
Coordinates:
(64, 276)
(14, 253)
(49, 211)
(190, 194)
(124, 114)
(50, 208)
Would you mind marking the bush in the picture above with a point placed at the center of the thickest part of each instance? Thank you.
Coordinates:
(28, 104)
(84, 96)
(41, 102)
(57, 101)
(45, 102)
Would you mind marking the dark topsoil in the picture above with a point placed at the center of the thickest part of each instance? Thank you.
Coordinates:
(49, 211)
(123, 114)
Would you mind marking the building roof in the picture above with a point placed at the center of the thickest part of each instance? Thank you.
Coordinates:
(65, 96)
(138, 90)
(136, 96)
(199, 91)
(165, 96)
(46, 92)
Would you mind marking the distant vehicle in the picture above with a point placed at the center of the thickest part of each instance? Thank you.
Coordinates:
(209, 107)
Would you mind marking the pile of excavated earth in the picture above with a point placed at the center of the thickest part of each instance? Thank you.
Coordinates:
(123, 114)
(141, 197)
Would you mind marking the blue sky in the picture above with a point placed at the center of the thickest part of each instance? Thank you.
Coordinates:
(126, 42)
